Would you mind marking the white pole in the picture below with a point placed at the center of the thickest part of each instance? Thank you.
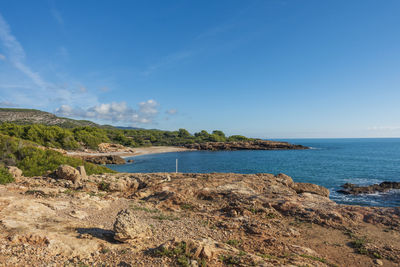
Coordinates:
(176, 166)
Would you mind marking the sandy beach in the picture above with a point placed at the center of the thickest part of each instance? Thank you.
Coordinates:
(133, 151)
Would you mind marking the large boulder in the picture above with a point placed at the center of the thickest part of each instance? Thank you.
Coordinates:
(128, 226)
(68, 173)
(311, 188)
(15, 172)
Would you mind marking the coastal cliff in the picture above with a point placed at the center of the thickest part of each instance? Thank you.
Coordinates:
(174, 219)
(245, 145)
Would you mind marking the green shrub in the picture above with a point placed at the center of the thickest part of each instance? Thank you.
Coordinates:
(91, 137)
(5, 176)
(34, 161)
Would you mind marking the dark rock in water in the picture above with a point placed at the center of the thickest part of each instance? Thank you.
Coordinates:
(245, 145)
(130, 161)
(107, 159)
(352, 189)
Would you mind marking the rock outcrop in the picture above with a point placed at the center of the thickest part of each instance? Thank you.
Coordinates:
(110, 148)
(15, 172)
(369, 189)
(106, 159)
(245, 145)
(189, 219)
(82, 172)
(68, 173)
(311, 188)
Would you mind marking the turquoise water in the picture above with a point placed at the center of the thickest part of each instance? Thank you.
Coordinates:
(330, 163)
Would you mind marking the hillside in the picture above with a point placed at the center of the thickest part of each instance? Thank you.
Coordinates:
(33, 116)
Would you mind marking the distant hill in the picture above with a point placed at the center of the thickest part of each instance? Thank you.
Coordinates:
(128, 128)
(30, 116)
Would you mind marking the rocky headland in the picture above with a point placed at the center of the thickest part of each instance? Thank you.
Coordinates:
(245, 145)
(352, 189)
(103, 159)
(174, 219)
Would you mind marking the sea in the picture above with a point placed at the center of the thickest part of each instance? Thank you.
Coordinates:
(329, 163)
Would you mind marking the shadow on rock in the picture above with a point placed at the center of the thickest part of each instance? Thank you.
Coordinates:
(106, 235)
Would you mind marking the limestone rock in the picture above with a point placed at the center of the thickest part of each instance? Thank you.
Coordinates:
(369, 189)
(15, 172)
(68, 173)
(106, 159)
(284, 179)
(311, 188)
(78, 214)
(128, 226)
(82, 172)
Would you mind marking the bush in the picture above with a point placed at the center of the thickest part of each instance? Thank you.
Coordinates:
(5, 176)
(34, 161)
(91, 137)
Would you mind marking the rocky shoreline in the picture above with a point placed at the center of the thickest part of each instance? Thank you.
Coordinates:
(103, 159)
(245, 145)
(174, 219)
(352, 189)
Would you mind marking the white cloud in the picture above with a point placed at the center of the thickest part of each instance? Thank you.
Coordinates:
(114, 112)
(2, 57)
(148, 107)
(171, 111)
(16, 54)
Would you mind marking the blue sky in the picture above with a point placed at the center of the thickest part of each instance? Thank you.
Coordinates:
(270, 69)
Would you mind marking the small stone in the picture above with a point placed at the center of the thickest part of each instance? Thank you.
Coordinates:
(207, 252)
(378, 262)
(78, 214)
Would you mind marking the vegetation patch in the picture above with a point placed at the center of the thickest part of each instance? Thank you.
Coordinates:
(233, 242)
(34, 161)
(104, 186)
(187, 206)
(5, 176)
(318, 259)
(181, 254)
(164, 217)
(230, 259)
(91, 137)
(359, 245)
(145, 209)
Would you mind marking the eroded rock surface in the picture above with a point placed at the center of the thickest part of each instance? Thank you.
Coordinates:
(169, 219)
(104, 159)
(128, 226)
(15, 172)
(369, 189)
(68, 173)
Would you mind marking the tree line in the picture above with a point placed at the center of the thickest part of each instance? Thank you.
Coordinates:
(91, 137)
